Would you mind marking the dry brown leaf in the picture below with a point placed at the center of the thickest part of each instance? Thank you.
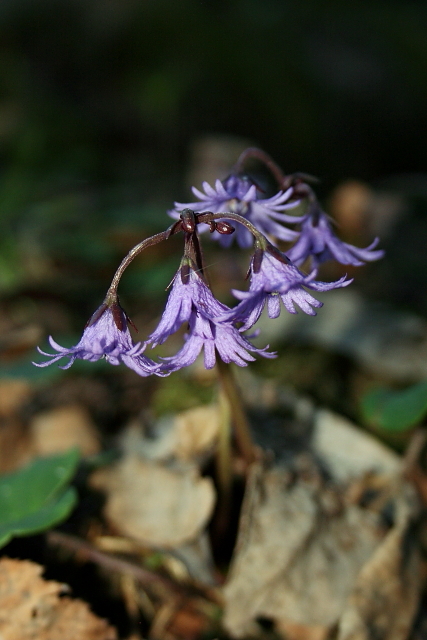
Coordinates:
(158, 445)
(156, 505)
(386, 593)
(31, 607)
(310, 528)
(184, 436)
(348, 451)
(62, 428)
(196, 431)
(299, 550)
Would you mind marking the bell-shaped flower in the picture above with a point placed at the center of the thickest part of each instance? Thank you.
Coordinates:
(240, 195)
(318, 242)
(191, 301)
(276, 279)
(106, 336)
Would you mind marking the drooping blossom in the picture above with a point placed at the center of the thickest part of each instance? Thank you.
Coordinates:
(318, 242)
(273, 281)
(106, 336)
(191, 301)
(240, 195)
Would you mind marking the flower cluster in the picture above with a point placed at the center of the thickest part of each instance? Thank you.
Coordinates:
(213, 327)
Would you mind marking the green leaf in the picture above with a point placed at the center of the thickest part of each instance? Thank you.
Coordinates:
(36, 497)
(395, 410)
(46, 517)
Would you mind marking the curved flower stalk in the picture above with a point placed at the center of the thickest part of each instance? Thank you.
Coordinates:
(275, 279)
(318, 241)
(191, 301)
(239, 194)
(106, 336)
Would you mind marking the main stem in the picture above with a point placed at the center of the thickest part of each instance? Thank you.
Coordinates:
(242, 430)
(223, 458)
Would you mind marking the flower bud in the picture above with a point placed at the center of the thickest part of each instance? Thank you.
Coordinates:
(224, 228)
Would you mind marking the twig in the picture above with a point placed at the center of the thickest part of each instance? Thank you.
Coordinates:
(414, 449)
(147, 578)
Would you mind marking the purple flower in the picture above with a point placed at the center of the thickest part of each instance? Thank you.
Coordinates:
(240, 195)
(277, 280)
(106, 335)
(191, 301)
(318, 241)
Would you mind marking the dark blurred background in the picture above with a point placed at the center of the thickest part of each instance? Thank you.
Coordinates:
(110, 109)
